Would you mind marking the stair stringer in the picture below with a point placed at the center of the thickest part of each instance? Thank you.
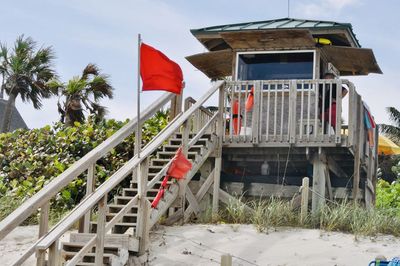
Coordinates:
(173, 191)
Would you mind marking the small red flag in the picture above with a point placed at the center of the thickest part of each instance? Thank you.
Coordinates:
(158, 72)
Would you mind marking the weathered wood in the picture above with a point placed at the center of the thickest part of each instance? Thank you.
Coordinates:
(217, 175)
(357, 149)
(335, 168)
(43, 229)
(100, 234)
(226, 260)
(215, 64)
(110, 241)
(176, 106)
(194, 205)
(304, 199)
(118, 176)
(145, 228)
(54, 256)
(319, 181)
(84, 223)
(51, 189)
(200, 194)
(328, 183)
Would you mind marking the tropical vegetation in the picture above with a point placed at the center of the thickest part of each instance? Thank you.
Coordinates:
(29, 159)
(392, 131)
(82, 92)
(25, 71)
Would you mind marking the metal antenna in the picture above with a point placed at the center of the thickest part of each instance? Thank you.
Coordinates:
(288, 8)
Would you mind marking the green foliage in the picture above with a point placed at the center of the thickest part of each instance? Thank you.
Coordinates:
(388, 196)
(30, 159)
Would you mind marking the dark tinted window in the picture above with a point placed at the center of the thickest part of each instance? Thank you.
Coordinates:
(275, 66)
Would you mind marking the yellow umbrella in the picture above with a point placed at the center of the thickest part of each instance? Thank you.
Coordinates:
(387, 147)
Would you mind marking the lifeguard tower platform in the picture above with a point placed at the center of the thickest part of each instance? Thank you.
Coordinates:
(277, 120)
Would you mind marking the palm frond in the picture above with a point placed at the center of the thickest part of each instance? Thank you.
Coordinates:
(394, 115)
(90, 69)
(392, 132)
(100, 87)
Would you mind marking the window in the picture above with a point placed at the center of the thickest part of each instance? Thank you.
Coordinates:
(270, 66)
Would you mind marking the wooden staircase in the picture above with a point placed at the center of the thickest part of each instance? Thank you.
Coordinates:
(120, 241)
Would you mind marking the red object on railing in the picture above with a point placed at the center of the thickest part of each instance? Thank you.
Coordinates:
(158, 197)
(236, 117)
(178, 168)
(250, 100)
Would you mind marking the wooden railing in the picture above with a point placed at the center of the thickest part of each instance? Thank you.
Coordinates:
(290, 112)
(48, 240)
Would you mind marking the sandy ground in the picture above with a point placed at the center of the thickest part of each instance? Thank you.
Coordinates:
(204, 245)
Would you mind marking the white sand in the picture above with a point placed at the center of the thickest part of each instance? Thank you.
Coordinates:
(204, 244)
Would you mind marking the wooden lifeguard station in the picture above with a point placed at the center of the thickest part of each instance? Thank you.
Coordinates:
(298, 125)
(282, 63)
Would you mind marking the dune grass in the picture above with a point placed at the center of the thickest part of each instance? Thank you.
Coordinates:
(344, 217)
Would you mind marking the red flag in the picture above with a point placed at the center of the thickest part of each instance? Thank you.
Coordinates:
(158, 72)
(179, 166)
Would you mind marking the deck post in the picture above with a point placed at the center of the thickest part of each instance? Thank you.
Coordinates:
(176, 106)
(43, 229)
(143, 212)
(357, 148)
(218, 152)
(304, 198)
(100, 230)
(90, 185)
(319, 181)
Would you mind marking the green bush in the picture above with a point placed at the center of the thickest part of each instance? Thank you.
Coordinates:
(388, 196)
(29, 159)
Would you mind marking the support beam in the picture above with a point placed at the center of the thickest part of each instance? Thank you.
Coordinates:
(304, 199)
(100, 231)
(319, 181)
(335, 168)
(217, 175)
(43, 229)
(143, 212)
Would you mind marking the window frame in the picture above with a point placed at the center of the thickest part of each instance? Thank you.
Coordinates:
(314, 52)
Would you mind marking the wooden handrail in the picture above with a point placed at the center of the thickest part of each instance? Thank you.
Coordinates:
(118, 176)
(51, 189)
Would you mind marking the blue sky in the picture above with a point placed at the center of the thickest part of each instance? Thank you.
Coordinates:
(105, 33)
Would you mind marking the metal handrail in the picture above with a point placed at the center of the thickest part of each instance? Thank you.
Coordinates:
(51, 189)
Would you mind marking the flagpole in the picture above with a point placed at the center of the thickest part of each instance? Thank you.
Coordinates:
(138, 131)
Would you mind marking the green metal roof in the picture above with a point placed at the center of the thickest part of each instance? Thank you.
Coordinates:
(283, 23)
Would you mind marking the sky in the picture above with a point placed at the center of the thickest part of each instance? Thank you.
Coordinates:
(105, 33)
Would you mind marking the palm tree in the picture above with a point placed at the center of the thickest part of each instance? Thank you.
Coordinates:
(84, 91)
(392, 131)
(25, 71)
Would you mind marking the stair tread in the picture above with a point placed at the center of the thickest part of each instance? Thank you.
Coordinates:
(120, 224)
(90, 254)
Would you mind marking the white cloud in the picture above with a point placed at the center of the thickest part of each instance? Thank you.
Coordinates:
(324, 8)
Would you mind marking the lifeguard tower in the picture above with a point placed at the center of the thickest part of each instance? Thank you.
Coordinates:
(276, 122)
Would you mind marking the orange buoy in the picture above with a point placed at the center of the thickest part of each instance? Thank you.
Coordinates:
(250, 100)
(236, 117)
(158, 197)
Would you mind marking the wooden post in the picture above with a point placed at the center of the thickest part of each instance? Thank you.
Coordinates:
(182, 182)
(100, 232)
(292, 112)
(144, 228)
(319, 181)
(176, 106)
(357, 149)
(84, 222)
(53, 254)
(218, 156)
(43, 229)
(304, 199)
(226, 260)
(255, 123)
(143, 213)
